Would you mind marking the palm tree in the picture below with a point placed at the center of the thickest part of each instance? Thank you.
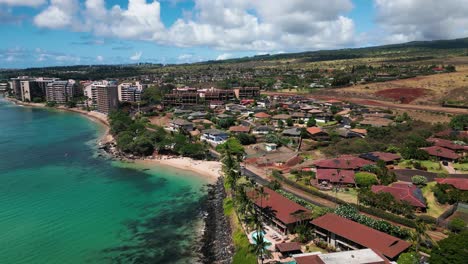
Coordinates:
(419, 234)
(259, 247)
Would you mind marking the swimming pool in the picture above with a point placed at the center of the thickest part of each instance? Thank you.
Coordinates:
(255, 235)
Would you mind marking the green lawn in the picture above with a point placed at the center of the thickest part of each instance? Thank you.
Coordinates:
(461, 166)
(241, 242)
(432, 166)
(331, 123)
(434, 208)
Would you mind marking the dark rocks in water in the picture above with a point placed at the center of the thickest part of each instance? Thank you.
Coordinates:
(217, 245)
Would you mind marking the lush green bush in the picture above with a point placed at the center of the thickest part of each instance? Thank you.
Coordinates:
(419, 180)
(246, 139)
(408, 258)
(459, 122)
(365, 179)
(446, 193)
(457, 224)
(452, 250)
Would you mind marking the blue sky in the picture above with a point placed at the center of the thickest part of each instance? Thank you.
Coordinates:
(39, 33)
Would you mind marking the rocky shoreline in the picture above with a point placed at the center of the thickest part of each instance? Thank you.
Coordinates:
(217, 245)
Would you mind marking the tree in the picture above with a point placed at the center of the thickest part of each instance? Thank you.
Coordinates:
(419, 180)
(289, 122)
(457, 224)
(259, 247)
(246, 139)
(365, 179)
(452, 250)
(419, 234)
(311, 122)
(459, 122)
(408, 258)
(338, 118)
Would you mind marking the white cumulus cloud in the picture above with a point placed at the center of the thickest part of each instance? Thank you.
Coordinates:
(30, 3)
(99, 58)
(224, 56)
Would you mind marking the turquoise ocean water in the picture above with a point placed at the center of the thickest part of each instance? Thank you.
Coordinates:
(61, 203)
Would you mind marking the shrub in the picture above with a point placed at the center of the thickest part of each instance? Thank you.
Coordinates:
(365, 179)
(419, 180)
(457, 224)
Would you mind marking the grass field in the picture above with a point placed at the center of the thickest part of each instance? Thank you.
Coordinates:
(431, 166)
(241, 242)
(434, 208)
(461, 166)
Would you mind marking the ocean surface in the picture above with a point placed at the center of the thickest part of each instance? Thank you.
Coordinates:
(62, 203)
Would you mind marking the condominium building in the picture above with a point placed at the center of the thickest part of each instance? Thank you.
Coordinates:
(129, 92)
(61, 92)
(107, 98)
(27, 88)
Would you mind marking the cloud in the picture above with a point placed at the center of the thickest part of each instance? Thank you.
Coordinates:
(407, 20)
(136, 56)
(222, 24)
(99, 58)
(30, 3)
(7, 17)
(224, 56)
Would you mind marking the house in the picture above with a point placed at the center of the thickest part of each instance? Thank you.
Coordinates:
(280, 212)
(442, 153)
(317, 133)
(296, 116)
(358, 256)
(270, 147)
(403, 191)
(288, 249)
(461, 135)
(346, 133)
(216, 104)
(349, 235)
(283, 117)
(457, 183)
(335, 176)
(292, 132)
(261, 130)
(197, 115)
(344, 162)
(447, 144)
(323, 118)
(388, 158)
(239, 129)
(360, 131)
(262, 115)
(180, 125)
(214, 136)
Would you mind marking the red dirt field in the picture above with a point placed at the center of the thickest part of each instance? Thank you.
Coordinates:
(402, 95)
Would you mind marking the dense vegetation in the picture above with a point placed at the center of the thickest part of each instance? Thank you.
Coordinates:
(452, 250)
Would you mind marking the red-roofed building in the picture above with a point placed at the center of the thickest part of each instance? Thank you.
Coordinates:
(239, 129)
(317, 133)
(262, 115)
(280, 212)
(458, 183)
(447, 144)
(403, 191)
(344, 162)
(349, 235)
(386, 157)
(442, 153)
(335, 176)
(359, 256)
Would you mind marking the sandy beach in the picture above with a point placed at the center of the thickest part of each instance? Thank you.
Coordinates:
(210, 170)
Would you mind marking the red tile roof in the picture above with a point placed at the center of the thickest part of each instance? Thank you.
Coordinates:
(446, 144)
(459, 183)
(310, 259)
(343, 162)
(314, 130)
(332, 175)
(240, 129)
(365, 236)
(262, 115)
(283, 207)
(288, 247)
(385, 156)
(441, 152)
(403, 191)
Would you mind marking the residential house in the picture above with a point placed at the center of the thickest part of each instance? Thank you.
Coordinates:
(388, 158)
(447, 144)
(403, 191)
(239, 129)
(261, 130)
(345, 234)
(358, 256)
(458, 183)
(442, 153)
(346, 133)
(292, 132)
(214, 136)
(335, 176)
(180, 125)
(262, 116)
(288, 249)
(318, 133)
(280, 212)
(344, 162)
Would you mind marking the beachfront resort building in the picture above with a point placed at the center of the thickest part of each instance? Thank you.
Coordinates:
(345, 234)
(61, 92)
(130, 92)
(28, 89)
(359, 256)
(107, 98)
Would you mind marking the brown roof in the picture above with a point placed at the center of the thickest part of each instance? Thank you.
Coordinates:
(288, 247)
(240, 129)
(403, 191)
(310, 259)
(446, 144)
(461, 184)
(363, 235)
(332, 175)
(361, 131)
(285, 210)
(441, 152)
(315, 130)
(343, 162)
(384, 156)
(262, 115)
(281, 117)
